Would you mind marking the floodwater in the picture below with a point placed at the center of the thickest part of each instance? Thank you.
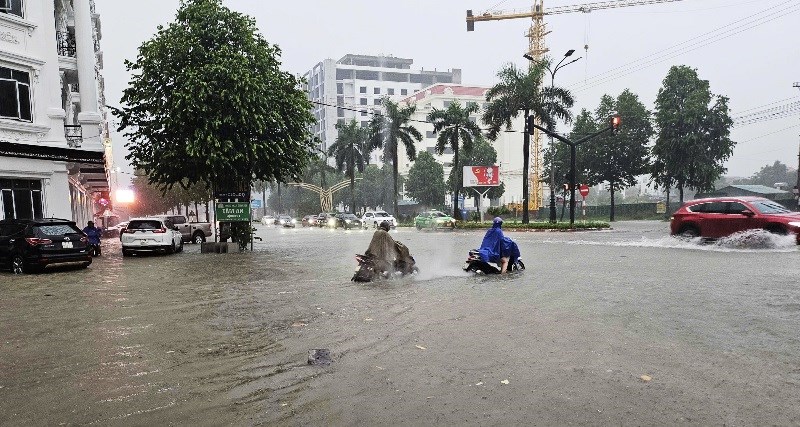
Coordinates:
(625, 326)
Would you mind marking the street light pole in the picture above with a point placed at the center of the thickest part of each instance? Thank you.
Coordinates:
(553, 72)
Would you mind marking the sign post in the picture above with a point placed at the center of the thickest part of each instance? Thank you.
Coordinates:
(584, 193)
(481, 176)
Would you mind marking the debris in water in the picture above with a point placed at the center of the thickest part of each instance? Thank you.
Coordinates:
(480, 383)
(421, 347)
(319, 357)
(646, 378)
(298, 324)
(368, 319)
(379, 368)
(504, 382)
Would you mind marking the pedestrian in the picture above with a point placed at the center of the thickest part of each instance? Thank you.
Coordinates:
(93, 235)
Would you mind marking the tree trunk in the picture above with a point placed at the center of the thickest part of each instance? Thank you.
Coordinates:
(456, 181)
(207, 215)
(196, 211)
(680, 191)
(280, 207)
(526, 148)
(611, 218)
(395, 175)
(264, 199)
(353, 193)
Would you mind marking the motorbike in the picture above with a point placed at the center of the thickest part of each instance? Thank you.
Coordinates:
(476, 265)
(368, 272)
(94, 249)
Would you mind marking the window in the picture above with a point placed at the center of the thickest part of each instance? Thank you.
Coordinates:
(715, 207)
(390, 91)
(340, 88)
(378, 101)
(13, 7)
(430, 134)
(736, 208)
(15, 94)
(364, 113)
(364, 123)
(766, 207)
(340, 112)
(344, 74)
(403, 91)
(21, 198)
(362, 89)
(447, 103)
(362, 101)
(377, 91)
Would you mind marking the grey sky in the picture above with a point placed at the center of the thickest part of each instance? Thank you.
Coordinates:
(752, 64)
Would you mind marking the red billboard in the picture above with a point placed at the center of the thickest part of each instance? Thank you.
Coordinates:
(481, 176)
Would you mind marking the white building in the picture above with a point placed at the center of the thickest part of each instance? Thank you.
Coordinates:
(353, 86)
(53, 130)
(508, 144)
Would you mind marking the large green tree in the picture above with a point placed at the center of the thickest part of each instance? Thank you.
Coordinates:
(618, 159)
(455, 130)
(425, 182)
(521, 91)
(769, 175)
(350, 151)
(207, 101)
(375, 188)
(693, 133)
(388, 131)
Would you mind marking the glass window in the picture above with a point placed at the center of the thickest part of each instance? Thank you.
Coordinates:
(378, 101)
(698, 208)
(390, 91)
(340, 112)
(447, 103)
(13, 7)
(403, 91)
(430, 134)
(736, 208)
(715, 207)
(144, 225)
(377, 91)
(8, 204)
(769, 207)
(362, 101)
(15, 94)
(56, 230)
(364, 112)
(344, 74)
(38, 213)
(340, 88)
(365, 123)
(23, 205)
(362, 89)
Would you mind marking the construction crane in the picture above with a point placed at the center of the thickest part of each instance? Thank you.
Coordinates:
(536, 49)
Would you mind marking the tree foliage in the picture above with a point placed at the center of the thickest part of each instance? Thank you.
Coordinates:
(455, 129)
(522, 91)
(351, 152)
(207, 101)
(693, 133)
(425, 182)
(769, 175)
(388, 131)
(618, 159)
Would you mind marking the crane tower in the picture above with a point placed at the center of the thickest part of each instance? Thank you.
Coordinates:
(536, 49)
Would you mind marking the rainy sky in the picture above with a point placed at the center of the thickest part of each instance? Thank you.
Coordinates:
(747, 49)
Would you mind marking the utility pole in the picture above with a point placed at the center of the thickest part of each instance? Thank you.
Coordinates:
(797, 187)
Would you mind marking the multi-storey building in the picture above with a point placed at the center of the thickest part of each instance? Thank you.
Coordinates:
(353, 86)
(53, 129)
(508, 145)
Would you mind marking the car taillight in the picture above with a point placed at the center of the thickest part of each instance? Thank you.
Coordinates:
(35, 241)
(160, 230)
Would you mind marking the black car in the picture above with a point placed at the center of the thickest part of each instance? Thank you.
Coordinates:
(28, 245)
(347, 221)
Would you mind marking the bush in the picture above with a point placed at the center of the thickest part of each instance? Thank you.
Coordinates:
(589, 225)
(498, 211)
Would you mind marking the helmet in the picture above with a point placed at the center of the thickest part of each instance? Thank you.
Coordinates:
(384, 225)
(497, 221)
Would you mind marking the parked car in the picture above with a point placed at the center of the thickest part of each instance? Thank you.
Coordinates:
(346, 221)
(194, 232)
(717, 217)
(309, 221)
(434, 220)
(27, 246)
(115, 230)
(153, 234)
(267, 220)
(373, 219)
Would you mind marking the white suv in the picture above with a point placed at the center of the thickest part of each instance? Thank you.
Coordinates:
(151, 234)
(373, 219)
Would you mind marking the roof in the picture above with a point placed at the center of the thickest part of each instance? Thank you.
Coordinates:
(449, 90)
(759, 189)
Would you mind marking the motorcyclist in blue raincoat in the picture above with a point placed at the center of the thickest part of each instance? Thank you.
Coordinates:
(497, 248)
(93, 235)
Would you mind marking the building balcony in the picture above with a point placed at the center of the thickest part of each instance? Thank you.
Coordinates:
(65, 43)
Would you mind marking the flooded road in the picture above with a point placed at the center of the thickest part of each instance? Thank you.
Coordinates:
(625, 326)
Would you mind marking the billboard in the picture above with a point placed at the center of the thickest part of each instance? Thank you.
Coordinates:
(481, 176)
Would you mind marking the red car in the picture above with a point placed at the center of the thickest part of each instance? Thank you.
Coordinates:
(717, 217)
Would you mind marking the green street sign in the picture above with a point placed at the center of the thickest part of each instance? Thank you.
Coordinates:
(233, 211)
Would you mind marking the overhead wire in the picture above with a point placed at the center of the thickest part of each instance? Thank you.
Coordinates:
(689, 45)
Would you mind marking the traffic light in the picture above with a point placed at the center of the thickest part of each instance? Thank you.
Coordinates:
(616, 121)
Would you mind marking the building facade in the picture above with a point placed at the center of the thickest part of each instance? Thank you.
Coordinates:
(508, 145)
(53, 130)
(353, 87)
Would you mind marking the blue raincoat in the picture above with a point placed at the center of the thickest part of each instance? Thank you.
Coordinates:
(93, 234)
(495, 246)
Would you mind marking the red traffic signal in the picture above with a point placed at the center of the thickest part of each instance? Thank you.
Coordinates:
(616, 121)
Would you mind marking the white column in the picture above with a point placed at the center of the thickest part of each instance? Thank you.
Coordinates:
(89, 116)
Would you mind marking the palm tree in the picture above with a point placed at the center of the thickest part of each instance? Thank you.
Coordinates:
(348, 150)
(455, 128)
(388, 131)
(522, 91)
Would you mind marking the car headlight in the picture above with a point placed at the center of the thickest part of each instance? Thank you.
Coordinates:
(795, 224)
(294, 221)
